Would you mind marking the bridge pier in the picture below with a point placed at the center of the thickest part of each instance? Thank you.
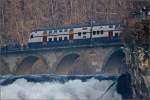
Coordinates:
(11, 62)
(50, 60)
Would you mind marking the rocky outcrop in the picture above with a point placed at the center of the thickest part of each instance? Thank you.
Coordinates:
(144, 71)
(137, 55)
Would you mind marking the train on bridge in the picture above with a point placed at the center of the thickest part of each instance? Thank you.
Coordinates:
(71, 36)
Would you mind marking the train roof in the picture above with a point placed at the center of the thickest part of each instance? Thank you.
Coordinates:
(77, 26)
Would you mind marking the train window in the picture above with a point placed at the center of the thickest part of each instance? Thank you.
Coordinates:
(31, 36)
(116, 34)
(50, 39)
(60, 38)
(65, 38)
(84, 33)
(102, 32)
(98, 32)
(50, 31)
(61, 30)
(94, 32)
(110, 33)
(79, 33)
(110, 26)
(55, 31)
(55, 38)
(117, 26)
(65, 30)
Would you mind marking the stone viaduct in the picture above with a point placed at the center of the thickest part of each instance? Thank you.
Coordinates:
(85, 60)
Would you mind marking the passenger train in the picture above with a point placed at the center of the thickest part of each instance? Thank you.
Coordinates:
(75, 36)
(70, 36)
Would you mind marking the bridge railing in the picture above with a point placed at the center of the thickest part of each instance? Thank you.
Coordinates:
(69, 44)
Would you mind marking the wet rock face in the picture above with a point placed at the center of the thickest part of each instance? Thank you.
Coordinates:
(144, 65)
(142, 75)
(4, 69)
(138, 41)
(124, 87)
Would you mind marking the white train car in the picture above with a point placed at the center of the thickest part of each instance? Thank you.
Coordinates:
(75, 35)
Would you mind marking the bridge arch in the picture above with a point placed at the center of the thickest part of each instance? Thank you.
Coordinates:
(64, 64)
(114, 62)
(32, 65)
(4, 67)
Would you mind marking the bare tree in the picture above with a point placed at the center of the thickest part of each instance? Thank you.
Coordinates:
(21, 16)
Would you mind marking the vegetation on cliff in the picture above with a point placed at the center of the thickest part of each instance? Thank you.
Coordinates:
(137, 42)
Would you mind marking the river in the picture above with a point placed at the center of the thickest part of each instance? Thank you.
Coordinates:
(91, 89)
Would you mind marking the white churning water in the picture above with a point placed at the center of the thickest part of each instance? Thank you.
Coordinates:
(71, 90)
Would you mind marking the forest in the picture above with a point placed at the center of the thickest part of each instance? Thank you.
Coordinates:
(19, 17)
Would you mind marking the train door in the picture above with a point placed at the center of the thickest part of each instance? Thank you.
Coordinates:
(44, 37)
(71, 34)
(110, 34)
